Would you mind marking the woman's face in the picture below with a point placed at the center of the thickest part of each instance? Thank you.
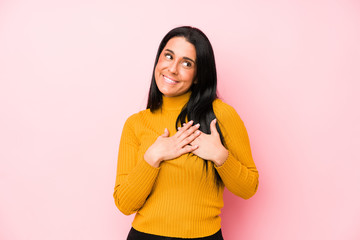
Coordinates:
(176, 70)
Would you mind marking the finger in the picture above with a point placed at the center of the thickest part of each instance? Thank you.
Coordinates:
(190, 138)
(196, 141)
(213, 129)
(188, 132)
(166, 133)
(184, 128)
(188, 148)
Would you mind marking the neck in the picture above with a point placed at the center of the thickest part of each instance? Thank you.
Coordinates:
(175, 103)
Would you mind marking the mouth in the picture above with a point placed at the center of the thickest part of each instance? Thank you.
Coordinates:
(169, 80)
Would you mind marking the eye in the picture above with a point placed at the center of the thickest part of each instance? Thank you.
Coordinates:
(168, 56)
(187, 64)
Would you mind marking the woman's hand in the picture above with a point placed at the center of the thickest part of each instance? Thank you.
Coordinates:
(210, 146)
(167, 148)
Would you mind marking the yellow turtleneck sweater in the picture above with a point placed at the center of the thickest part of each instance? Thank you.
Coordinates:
(179, 199)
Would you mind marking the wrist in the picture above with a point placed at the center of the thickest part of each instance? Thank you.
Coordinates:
(221, 157)
(152, 160)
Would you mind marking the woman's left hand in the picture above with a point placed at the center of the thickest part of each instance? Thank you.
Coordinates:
(210, 146)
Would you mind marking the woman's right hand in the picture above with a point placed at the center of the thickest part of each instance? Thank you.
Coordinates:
(167, 148)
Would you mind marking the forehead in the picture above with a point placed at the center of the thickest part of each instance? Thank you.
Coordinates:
(181, 47)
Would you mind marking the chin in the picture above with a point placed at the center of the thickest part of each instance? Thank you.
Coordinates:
(167, 93)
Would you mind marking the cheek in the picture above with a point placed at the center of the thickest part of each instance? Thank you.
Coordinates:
(158, 68)
(190, 76)
(160, 64)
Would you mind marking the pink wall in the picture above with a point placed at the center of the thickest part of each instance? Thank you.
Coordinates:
(72, 71)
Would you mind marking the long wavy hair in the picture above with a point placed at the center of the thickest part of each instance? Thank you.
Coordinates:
(199, 107)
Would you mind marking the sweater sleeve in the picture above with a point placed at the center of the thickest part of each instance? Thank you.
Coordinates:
(238, 172)
(135, 177)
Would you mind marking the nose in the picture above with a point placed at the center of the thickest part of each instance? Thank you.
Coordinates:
(173, 67)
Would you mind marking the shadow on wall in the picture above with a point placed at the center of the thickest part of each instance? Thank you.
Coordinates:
(237, 215)
(232, 214)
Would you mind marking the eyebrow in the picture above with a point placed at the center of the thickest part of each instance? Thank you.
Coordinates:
(183, 57)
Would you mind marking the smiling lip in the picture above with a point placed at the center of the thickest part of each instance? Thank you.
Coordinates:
(169, 80)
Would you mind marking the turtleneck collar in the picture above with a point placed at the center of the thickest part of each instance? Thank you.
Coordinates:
(175, 103)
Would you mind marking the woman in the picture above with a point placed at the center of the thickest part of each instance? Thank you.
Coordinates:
(176, 157)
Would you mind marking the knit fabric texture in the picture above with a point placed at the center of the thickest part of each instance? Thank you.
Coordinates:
(180, 197)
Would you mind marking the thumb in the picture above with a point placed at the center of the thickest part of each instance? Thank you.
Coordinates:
(166, 133)
(213, 127)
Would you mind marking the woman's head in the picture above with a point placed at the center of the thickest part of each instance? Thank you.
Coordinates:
(200, 77)
(175, 70)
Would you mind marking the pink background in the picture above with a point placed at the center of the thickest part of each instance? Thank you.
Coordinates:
(72, 71)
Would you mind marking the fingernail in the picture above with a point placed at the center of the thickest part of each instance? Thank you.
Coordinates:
(191, 121)
(197, 125)
(179, 128)
(197, 132)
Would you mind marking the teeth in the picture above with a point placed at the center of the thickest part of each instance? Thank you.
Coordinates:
(169, 80)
